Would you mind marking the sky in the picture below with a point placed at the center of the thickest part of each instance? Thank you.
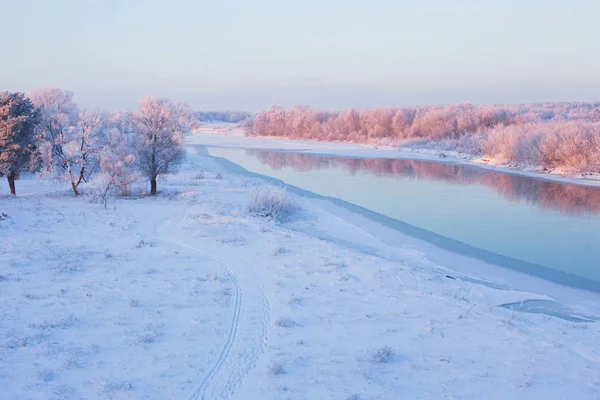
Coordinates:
(250, 54)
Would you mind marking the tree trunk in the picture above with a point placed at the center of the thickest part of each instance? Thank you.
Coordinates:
(153, 186)
(73, 183)
(74, 186)
(11, 182)
(80, 177)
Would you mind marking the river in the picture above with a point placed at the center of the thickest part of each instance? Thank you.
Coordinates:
(541, 227)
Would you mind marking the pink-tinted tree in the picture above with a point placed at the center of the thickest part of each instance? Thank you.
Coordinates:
(519, 134)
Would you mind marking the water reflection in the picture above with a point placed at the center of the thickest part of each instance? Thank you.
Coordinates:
(567, 199)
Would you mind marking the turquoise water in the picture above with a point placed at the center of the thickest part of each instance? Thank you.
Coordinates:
(552, 225)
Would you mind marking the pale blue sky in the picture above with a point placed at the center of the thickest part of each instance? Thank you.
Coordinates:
(235, 54)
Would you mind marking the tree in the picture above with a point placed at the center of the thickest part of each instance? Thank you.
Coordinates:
(159, 125)
(81, 156)
(18, 119)
(71, 141)
(117, 160)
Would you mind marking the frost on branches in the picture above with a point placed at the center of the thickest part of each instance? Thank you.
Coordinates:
(117, 162)
(159, 125)
(71, 140)
(551, 135)
(76, 145)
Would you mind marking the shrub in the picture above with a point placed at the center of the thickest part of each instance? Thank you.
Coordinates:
(100, 196)
(572, 144)
(279, 250)
(285, 322)
(276, 369)
(575, 145)
(383, 355)
(272, 203)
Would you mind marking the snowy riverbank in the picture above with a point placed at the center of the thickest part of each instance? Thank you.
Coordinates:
(226, 135)
(184, 295)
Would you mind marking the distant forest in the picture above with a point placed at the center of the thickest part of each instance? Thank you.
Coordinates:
(223, 116)
(551, 135)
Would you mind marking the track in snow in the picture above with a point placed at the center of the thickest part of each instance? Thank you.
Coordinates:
(255, 321)
(238, 368)
(200, 392)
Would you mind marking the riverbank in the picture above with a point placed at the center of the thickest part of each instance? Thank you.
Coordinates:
(226, 135)
(186, 295)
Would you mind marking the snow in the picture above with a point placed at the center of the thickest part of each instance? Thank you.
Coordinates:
(229, 135)
(185, 295)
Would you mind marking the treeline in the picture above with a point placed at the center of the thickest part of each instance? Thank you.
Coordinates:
(47, 133)
(223, 116)
(550, 134)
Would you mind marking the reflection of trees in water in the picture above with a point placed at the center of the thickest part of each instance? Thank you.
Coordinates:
(570, 199)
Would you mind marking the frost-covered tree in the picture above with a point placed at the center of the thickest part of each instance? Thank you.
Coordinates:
(159, 125)
(71, 141)
(117, 160)
(18, 119)
(58, 111)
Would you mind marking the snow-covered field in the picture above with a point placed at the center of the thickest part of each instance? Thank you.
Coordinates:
(186, 296)
(228, 135)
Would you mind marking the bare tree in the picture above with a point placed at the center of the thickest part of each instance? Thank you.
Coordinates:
(18, 119)
(159, 125)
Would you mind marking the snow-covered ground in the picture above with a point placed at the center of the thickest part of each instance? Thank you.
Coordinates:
(229, 135)
(185, 296)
